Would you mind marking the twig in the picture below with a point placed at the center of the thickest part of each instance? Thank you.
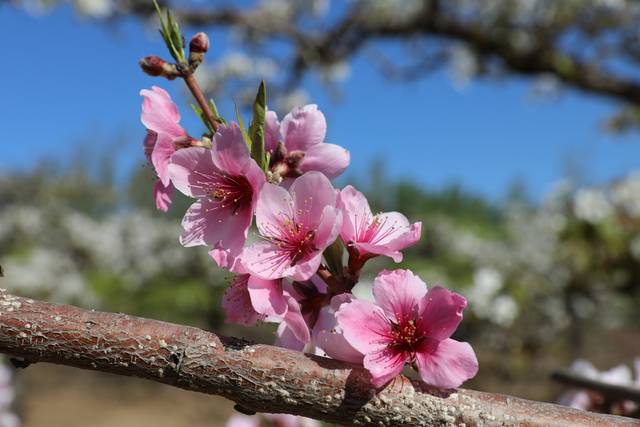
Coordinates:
(610, 392)
(258, 378)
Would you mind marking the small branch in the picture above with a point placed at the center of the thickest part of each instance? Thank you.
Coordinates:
(194, 87)
(257, 377)
(610, 392)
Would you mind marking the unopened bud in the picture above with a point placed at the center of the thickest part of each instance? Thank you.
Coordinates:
(199, 43)
(156, 66)
(198, 46)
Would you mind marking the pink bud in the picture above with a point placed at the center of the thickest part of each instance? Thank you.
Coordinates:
(199, 43)
(156, 66)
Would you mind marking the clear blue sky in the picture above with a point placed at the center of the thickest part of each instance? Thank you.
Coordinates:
(65, 78)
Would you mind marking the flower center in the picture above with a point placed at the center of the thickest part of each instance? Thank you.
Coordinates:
(374, 228)
(405, 336)
(231, 192)
(296, 241)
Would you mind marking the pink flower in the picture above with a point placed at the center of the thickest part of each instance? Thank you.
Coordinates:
(297, 144)
(409, 324)
(251, 299)
(161, 117)
(271, 420)
(226, 181)
(296, 225)
(370, 235)
(327, 334)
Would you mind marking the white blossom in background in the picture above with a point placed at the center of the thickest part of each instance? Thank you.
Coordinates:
(625, 194)
(95, 8)
(463, 66)
(485, 299)
(591, 205)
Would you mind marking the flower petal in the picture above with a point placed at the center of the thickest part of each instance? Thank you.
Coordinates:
(274, 207)
(303, 127)
(449, 365)
(355, 212)
(160, 157)
(207, 223)
(384, 365)
(267, 297)
(188, 169)
(441, 312)
(162, 195)
(271, 131)
(330, 159)
(267, 260)
(229, 150)
(311, 193)
(364, 326)
(287, 339)
(236, 303)
(398, 293)
(159, 113)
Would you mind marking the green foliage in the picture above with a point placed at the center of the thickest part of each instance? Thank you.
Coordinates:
(170, 31)
(256, 128)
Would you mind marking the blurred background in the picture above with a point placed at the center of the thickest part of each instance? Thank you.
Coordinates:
(510, 129)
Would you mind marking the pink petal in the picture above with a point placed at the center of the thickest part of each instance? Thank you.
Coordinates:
(364, 326)
(271, 131)
(327, 335)
(162, 195)
(160, 157)
(267, 260)
(303, 270)
(267, 297)
(236, 303)
(273, 208)
(189, 167)
(243, 421)
(295, 321)
(355, 211)
(330, 159)
(398, 293)
(229, 150)
(328, 228)
(451, 364)
(149, 143)
(441, 312)
(227, 259)
(287, 339)
(206, 223)
(311, 193)
(159, 113)
(384, 365)
(303, 127)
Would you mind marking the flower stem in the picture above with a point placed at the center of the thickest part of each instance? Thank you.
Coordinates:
(194, 87)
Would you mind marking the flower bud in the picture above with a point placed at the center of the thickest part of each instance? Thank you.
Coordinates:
(156, 66)
(199, 43)
(198, 46)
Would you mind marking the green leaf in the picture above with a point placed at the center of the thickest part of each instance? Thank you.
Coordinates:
(170, 31)
(216, 114)
(200, 114)
(333, 257)
(256, 129)
(247, 138)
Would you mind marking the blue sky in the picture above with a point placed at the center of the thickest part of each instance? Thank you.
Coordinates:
(73, 79)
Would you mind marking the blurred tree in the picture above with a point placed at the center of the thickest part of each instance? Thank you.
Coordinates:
(589, 45)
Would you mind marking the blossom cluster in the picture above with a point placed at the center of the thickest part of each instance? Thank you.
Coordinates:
(311, 244)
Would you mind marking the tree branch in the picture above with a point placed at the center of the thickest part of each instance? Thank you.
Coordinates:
(611, 392)
(257, 377)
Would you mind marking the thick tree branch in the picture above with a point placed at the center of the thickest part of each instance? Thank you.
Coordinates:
(350, 33)
(257, 377)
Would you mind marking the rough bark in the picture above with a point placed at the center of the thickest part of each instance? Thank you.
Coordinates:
(257, 377)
